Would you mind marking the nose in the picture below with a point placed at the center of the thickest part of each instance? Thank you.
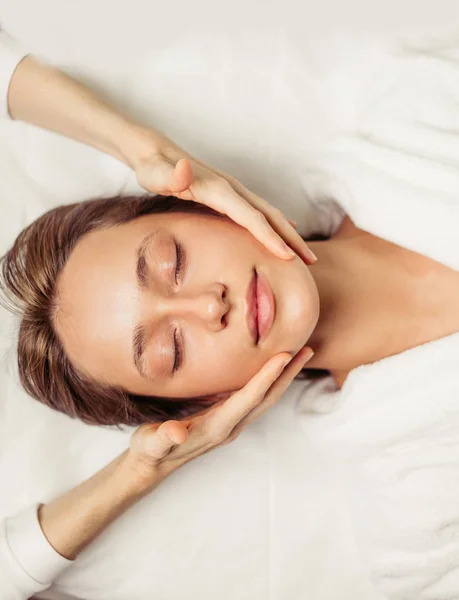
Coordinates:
(209, 306)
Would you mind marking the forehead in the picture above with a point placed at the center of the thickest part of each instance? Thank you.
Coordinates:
(96, 294)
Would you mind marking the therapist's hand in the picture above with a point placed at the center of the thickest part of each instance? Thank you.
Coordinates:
(156, 451)
(46, 97)
(169, 170)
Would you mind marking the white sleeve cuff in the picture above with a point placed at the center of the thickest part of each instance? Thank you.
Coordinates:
(31, 549)
(11, 55)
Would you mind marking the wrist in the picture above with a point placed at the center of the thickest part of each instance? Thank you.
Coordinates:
(137, 144)
(136, 476)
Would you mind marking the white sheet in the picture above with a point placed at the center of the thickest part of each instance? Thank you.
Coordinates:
(265, 517)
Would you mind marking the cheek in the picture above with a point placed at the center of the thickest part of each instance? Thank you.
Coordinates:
(223, 370)
(237, 371)
(227, 243)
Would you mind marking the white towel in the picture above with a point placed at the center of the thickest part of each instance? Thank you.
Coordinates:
(394, 426)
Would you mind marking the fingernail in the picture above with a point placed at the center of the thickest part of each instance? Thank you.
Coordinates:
(286, 361)
(309, 357)
(312, 255)
(171, 437)
(288, 250)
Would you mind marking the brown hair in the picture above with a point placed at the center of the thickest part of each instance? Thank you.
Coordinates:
(29, 274)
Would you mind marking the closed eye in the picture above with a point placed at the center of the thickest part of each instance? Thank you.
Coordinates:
(178, 353)
(178, 261)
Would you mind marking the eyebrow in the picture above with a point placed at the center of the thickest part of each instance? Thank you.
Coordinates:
(139, 343)
(139, 336)
(141, 264)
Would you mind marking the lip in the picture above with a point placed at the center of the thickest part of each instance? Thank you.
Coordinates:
(251, 310)
(266, 306)
(260, 307)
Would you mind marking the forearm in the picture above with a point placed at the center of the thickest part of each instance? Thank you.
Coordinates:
(46, 97)
(72, 521)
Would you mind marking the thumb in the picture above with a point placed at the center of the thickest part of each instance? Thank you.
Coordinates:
(156, 442)
(160, 176)
(182, 176)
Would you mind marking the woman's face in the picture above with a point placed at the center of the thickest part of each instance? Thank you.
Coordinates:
(166, 305)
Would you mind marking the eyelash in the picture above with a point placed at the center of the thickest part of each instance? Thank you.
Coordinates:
(179, 260)
(178, 270)
(178, 353)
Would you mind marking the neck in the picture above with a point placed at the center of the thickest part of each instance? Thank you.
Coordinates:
(350, 279)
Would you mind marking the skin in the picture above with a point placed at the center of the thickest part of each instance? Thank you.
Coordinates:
(100, 304)
(377, 300)
(363, 285)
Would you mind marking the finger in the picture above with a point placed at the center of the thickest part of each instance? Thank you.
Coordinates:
(231, 198)
(231, 412)
(162, 176)
(156, 442)
(292, 238)
(285, 228)
(276, 390)
(260, 227)
(228, 201)
(218, 193)
(292, 223)
(285, 379)
(278, 223)
(182, 177)
(176, 431)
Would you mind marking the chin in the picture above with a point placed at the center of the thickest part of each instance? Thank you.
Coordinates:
(302, 323)
(301, 310)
